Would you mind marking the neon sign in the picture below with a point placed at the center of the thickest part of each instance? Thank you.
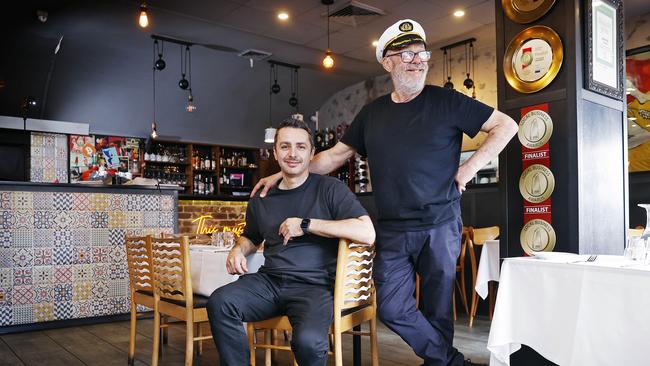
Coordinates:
(202, 228)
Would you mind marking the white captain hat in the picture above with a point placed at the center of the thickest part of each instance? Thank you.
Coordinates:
(402, 33)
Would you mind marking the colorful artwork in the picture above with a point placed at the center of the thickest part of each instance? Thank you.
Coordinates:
(82, 155)
(638, 108)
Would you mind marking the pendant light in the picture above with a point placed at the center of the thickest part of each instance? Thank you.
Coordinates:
(469, 49)
(160, 63)
(143, 19)
(154, 127)
(275, 88)
(448, 84)
(269, 132)
(183, 83)
(293, 101)
(328, 60)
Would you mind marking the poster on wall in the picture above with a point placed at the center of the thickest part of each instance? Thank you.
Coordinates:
(604, 47)
(82, 155)
(638, 108)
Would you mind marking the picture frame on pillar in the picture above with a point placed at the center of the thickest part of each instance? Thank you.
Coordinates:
(604, 47)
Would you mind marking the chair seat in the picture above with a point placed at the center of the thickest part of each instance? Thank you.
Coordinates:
(345, 312)
(148, 293)
(200, 301)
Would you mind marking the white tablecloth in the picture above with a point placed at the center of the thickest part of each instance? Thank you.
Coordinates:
(208, 268)
(488, 267)
(587, 313)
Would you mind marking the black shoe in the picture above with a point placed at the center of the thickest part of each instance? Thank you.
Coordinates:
(469, 362)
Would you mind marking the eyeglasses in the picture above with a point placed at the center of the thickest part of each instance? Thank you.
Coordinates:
(409, 56)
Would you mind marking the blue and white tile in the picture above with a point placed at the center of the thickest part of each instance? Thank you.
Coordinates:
(43, 238)
(22, 295)
(42, 275)
(42, 293)
(62, 201)
(43, 200)
(99, 220)
(23, 257)
(6, 238)
(24, 219)
(118, 288)
(7, 220)
(100, 238)
(6, 277)
(62, 292)
(83, 272)
(43, 256)
(23, 276)
(23, 238)
(23, 314)
(6, 316)
(43, 219)
(62, 256)
(63, 310)
(6, 258)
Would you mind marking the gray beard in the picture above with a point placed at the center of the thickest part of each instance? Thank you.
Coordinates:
(405, 86)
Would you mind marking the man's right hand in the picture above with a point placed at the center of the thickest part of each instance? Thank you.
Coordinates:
(267, 183)
(236, 262)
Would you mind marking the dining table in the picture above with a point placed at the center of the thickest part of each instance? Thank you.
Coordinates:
(573, 309)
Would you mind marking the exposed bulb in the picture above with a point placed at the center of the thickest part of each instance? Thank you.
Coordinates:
(143, 20)
(154, 133)
(328, 61)
(190, 104)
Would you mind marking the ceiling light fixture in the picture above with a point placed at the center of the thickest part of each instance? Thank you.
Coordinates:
(159, 63)
(459, 13)
(143, 19)
(375, 43)
(183, 83)
(275, 88)
(328, 60)
(154, 130)
(447, 69)
(269, 132)
(283, 15)
(293, 101)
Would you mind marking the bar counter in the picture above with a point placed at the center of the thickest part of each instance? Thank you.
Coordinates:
(62, 254)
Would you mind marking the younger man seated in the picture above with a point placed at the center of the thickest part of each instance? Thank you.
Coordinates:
(300, 223)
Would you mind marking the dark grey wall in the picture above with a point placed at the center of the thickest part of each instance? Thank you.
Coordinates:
(102, 75)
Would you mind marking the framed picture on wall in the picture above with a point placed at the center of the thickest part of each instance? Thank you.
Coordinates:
(604, 47)
(637, 87)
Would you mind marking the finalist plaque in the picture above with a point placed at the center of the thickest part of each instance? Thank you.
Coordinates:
(526, 11)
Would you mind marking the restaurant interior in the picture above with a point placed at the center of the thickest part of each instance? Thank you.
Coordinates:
(124, 119)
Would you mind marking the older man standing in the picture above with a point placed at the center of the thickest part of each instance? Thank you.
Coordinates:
(412, 138)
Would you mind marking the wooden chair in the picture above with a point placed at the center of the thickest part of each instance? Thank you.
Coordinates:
(637, 231)
(478, 236)
(354, 304)
(172, 288)
(193, 238)
(138, 256)
(460, 282)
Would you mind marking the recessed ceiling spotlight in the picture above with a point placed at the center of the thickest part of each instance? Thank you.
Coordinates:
(283, 15)
(459, 13)
(375, 43)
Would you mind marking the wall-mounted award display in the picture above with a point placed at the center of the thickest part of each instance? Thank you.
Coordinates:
(536, 183)
(526, 11)
(533, 59)
(535, 129)
(537, 236)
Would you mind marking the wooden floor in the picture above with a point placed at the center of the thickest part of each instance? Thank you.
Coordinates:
(107, 344)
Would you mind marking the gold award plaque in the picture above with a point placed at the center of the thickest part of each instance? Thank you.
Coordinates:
(536, 183)
(526, 11)
(537, 236)
(535, 129)
(533, 59)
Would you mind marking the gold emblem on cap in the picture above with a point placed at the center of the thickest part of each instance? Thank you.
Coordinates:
(406, 27)
(536, 183)
(535, 129)
(537, 236)
(533, 59)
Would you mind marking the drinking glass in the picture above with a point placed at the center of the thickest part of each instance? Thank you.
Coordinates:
(635, 249)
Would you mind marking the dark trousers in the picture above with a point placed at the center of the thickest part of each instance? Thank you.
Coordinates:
(432, 254)
(258, 296)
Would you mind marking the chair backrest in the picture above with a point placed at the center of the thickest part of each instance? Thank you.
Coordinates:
(480, 235)
(138, 258)
(171, 268)
(354, 286)
(193, 238)
(635, 232)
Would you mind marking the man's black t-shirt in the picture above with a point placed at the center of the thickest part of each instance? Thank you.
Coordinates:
(308, 258)
(413, 150)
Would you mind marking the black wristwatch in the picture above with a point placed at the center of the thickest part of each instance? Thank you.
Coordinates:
(304, 225)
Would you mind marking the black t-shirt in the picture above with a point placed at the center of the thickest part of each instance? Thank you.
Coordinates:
(413, 150)
(308, 258)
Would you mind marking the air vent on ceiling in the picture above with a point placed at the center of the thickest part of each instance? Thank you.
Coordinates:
(354, 13)
(255, 54)
(355, 8)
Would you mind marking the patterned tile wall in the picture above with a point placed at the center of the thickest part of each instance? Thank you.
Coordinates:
(62, 254)
(49, 158)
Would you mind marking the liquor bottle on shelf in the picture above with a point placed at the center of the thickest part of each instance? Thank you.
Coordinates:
(331, 138)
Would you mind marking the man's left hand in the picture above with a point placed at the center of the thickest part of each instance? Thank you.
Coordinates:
(462, 179)
(290, 228)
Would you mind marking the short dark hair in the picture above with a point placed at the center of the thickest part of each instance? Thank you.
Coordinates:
(293, 122)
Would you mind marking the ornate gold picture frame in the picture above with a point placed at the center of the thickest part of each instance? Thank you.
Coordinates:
(533, 59)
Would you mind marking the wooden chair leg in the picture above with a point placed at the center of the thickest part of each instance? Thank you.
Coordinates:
(132, 332)
(251, 342)
(267, 352)
(453, 303)
(199, 333)
(374, 351)
(165, 330)
(338, 354)
(417, 291)
(156, 336)
(493, 288)
(189, 341)
(474, 308)
(463, 292)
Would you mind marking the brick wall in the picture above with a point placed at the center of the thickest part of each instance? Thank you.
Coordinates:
(224, 213)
